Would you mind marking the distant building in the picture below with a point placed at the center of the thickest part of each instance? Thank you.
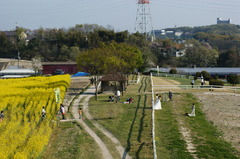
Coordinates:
(66, 67)
(220, 71)
(16, 72)
(223, 21)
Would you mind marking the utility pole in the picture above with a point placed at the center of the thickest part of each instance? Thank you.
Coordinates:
(143, 22)
(18, 58)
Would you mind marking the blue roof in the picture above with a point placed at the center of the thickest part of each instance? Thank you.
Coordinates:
(80, 74)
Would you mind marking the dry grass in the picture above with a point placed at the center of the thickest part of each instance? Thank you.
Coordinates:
(223, 109)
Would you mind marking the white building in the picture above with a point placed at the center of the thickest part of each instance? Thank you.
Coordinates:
(223, 21)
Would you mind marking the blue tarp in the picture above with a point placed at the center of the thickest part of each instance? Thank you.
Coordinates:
(80, 74)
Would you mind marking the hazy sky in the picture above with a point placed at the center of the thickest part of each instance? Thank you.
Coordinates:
(120, 14)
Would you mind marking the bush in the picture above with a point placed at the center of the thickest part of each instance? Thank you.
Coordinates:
(233, 79)
(216, 82)
(206, 75)
(198, 74)
(173, 71)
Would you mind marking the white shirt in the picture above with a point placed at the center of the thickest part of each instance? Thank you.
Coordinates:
(118, 93)
(63, 110)
(43, 111)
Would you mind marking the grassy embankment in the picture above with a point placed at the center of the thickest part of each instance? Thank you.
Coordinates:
(205, 137)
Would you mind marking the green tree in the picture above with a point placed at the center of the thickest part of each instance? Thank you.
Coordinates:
(112, 58)
(233, 79)
(206, 75)
(173, 71)
(230, 58)
(200, 55)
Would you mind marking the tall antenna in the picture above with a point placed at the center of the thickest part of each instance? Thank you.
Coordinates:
(143, 22)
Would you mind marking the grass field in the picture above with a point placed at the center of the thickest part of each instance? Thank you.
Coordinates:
(131, 124)
(70, 141)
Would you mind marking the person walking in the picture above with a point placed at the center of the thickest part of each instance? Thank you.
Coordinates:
(43, 112)
(80, 112)
(62, 110)
(1, 116)
(170, 95)
(192, 83)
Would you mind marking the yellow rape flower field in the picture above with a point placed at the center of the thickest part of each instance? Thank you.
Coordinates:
(23, 131)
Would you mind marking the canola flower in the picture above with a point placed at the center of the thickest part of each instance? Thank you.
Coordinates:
(23, 132)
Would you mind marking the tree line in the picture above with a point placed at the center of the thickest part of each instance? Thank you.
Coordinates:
(212, 46)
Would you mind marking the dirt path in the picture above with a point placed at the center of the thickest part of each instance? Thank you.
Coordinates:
(105, 152)
(186, 132)
(163, 81)
(120, 149)
(88, 94)
(168, 84)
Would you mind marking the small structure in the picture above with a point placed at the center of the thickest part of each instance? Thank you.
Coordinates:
(113, 82)
(16, 73)
(66, 67)
(223, 21)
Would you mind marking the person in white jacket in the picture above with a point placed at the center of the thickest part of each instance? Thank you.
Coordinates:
(193, 111)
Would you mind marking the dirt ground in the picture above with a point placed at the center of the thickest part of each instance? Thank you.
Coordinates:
(223, 109)
(77, 84)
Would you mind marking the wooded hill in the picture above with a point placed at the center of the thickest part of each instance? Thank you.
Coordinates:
(211, 46)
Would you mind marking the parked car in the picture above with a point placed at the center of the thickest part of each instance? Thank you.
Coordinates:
(58, 72)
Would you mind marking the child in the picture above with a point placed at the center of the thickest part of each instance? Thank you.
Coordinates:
(80, 113)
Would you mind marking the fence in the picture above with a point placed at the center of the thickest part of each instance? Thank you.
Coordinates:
(135, 81)
(199, 87)
(172, 75)
(153, 122)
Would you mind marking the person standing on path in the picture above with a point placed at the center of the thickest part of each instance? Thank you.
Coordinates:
(62, 110)
(80, 112)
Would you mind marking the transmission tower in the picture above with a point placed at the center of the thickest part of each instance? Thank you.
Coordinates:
(143, 22)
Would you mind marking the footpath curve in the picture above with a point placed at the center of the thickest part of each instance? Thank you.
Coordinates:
(106, 154)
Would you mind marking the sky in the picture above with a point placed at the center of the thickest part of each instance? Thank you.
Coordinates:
(119, 14)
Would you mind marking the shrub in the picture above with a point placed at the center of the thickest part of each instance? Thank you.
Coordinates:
(206, 75)
(173, 71)
(198, 74)
(216, 82)
(233, 79)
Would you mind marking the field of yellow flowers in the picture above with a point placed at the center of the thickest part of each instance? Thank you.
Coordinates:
(23, 132)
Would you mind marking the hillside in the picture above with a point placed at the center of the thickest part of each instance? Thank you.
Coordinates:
(188, 32)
